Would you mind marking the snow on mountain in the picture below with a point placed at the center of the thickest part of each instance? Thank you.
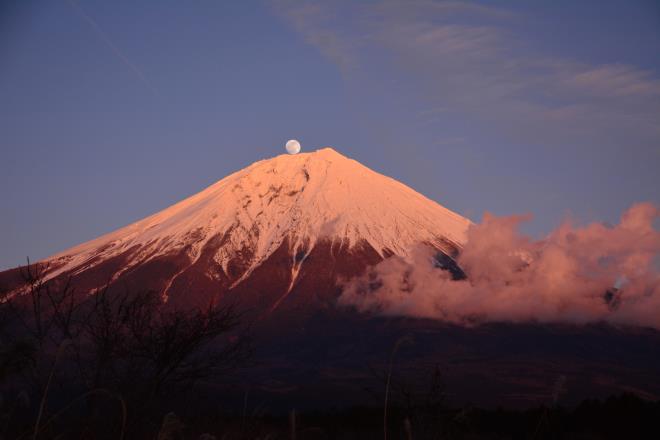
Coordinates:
(297, 200)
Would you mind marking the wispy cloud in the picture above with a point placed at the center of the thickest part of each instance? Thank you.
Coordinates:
(615, 81)
(314, 22)
(465, 57)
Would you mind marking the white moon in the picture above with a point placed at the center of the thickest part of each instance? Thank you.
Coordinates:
(293, 147)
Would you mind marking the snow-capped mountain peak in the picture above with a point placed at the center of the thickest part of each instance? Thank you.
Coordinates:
(297, 200)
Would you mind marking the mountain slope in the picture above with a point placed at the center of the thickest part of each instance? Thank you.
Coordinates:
(273, 221)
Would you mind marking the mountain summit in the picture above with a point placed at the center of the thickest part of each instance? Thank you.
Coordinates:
(290, 223)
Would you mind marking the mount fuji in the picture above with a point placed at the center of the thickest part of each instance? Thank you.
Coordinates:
(281, 233)
(282, 237)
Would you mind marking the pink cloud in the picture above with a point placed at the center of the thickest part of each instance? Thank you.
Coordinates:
(615, 80)
(569, 276)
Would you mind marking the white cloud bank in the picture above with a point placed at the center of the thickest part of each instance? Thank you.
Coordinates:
(567, 277)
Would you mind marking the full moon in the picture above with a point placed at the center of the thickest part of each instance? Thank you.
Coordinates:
(293, 147)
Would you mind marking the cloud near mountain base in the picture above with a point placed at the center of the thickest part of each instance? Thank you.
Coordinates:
(574, 275)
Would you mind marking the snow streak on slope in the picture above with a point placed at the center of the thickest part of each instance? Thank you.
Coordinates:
(296, 199)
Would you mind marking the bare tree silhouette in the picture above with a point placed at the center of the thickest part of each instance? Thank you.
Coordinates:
(128, 343)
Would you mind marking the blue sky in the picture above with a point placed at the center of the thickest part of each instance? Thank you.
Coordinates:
(110, 111)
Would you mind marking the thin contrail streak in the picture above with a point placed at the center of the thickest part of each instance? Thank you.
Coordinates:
(102, 35)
